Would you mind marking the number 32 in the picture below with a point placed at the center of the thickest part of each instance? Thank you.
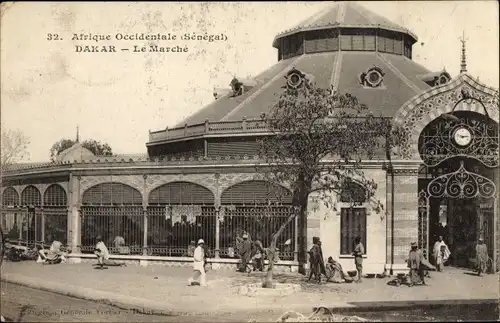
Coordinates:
(52, 37)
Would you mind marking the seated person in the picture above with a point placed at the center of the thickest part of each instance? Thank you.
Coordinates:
(102, 253)
(119, 243)
(54, 255)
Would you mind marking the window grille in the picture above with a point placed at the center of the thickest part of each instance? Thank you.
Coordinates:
(55, 196)
(31, 196)
(256, 192)
(181, 193)
(110, 222)
(56, 224)
(353, 224)
(112, 194)
(352, 193)
(173, 228)
(260, 222)
(10, 197)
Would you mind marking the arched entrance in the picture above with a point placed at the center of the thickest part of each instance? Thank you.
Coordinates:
(452, 130)
(457, 191)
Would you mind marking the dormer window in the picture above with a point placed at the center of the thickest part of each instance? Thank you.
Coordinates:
(442, 79)
(372, 78)
(237, 87)
(296, 79)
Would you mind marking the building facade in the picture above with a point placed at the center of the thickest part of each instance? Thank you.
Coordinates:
(203, 178)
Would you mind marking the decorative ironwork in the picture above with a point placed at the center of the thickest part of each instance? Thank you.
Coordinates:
(423, 222)
(31, 196)
(55, 195)
(56, 224)
(461, 184)
(111, 222)
(260, 222)
(112, 194)
(10, 196)
(442, 139)
(172, 229)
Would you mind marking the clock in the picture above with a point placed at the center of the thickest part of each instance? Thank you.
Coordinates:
(462, 136)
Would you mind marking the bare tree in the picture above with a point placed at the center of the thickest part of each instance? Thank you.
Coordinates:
(14, 147)
(319, 138)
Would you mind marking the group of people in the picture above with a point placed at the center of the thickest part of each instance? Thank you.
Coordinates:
(333, 270)
(419, 266)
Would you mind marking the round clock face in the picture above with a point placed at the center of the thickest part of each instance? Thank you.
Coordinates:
(462, 136)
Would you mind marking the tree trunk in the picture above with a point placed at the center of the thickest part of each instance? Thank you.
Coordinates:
(271, 254)
(300, 199)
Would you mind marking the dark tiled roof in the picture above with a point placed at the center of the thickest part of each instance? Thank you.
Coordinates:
(401, 83)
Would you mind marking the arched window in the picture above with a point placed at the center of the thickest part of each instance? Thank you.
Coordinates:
(181, 193)
(55, 196)
(256, 192)
(352, 218)
(353, 193)
(112, 194)
(31, 196)
(10, 196)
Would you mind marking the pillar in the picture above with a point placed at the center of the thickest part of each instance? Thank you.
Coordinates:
(296, 241)
(145, 198)
(405, 212)
(217, 232)
(496, 237)
(74, 219)
(389, 218)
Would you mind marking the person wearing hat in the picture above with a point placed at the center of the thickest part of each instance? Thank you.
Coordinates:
(199, 265)
(414, 264)
(481, 257)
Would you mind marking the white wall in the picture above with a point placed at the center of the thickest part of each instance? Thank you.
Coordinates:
(376, 229)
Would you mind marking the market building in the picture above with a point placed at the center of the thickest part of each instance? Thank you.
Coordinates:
(201, 179)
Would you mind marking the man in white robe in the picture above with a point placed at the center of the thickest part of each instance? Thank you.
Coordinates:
(441, 253)
(101, 252)
(199, 265)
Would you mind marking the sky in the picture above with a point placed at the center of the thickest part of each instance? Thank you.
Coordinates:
(47, 88)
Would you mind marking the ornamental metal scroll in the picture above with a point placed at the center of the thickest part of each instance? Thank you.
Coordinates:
(461, 184)
(436, 142)
(423, 221)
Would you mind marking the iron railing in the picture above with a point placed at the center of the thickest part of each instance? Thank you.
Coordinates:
(35, 226)
(173, 230)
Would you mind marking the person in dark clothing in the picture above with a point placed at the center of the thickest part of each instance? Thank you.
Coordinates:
(245, 252)
(316, 261)
(359, 251)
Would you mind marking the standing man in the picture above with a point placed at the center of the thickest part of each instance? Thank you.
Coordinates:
(245, 252)
(359, 251)
(481, 257)
(199, 265)
(414, 264)
(316, 262)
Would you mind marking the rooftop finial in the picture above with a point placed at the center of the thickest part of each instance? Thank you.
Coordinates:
(77, 134)
(463, 66)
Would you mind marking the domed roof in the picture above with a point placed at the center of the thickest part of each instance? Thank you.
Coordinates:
(347, 47)
(76, 152)
(345, 14)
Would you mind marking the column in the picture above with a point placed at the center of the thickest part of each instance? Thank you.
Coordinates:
(405, 212)
(145, 236)
(296, 241)
(217, 232)
(42, 223)
(145, 198)
(389, 218)
(74, 214)
(496, 237)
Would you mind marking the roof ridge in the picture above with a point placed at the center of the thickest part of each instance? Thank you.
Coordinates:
(398, 73)
(355, 6)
